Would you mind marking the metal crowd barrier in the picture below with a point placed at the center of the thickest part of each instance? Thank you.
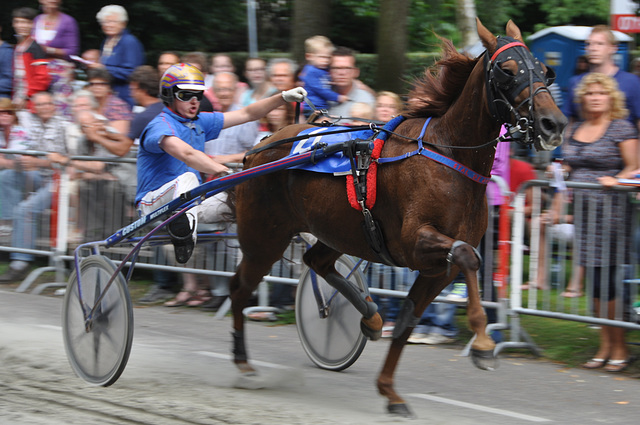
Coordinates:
(560, 252)
(88, 210)
(82, 210)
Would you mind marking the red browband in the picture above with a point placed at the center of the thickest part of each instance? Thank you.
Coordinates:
(505, 47)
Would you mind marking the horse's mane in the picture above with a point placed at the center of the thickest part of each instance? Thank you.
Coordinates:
(441, 84)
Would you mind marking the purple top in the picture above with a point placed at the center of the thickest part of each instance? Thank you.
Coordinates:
(66, 36)
(117, 109)
(500, 168)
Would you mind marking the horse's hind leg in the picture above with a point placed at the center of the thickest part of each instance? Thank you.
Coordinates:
(322, 260)
(256, 262)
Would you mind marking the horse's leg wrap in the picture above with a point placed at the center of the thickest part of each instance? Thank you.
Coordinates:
(239, 351)
(353, 295)
(405, 318)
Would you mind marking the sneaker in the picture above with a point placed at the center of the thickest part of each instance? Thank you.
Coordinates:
(417, 338)
(214, 303)
(436, 338)
(181, 235)
(156, 295)
(458, 293)
(14, 275)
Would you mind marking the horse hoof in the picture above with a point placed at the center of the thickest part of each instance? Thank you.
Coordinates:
(484, 359)
(400, 409)
(372, 334)
(372, 327)
(249, 381)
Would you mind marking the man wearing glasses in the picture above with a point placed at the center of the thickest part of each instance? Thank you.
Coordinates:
(344, 78)
(171, 153)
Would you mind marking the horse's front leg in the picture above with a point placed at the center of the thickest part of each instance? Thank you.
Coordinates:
(421, 294)
(432, 251)
(468, 259)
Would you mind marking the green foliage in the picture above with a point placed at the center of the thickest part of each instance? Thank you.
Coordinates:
(573, 12)
(220, 25)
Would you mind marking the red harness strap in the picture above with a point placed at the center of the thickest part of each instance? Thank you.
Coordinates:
(505, 47)
(372, 174)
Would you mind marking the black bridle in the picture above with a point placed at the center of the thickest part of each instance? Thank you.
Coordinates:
(503, 87)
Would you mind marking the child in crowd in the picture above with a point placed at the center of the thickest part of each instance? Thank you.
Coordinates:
(30, 72)
(315, 74)
(361, 113)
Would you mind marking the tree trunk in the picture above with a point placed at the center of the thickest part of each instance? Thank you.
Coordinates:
(392, 44)
(310, 17)
(466, 17)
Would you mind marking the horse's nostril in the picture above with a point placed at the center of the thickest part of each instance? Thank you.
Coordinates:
(548, 125)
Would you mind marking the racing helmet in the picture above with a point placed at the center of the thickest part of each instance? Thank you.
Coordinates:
(181, 76)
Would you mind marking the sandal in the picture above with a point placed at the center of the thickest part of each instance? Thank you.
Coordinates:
(533, 285)
(595, 363)
(181, 299)
(572, 293)
(263, 316)
(616, 366)
(199, 298)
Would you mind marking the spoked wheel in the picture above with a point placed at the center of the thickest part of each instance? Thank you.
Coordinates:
(332, 340)
(98, 351)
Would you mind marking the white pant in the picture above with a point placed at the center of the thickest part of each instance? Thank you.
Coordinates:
(211, 210)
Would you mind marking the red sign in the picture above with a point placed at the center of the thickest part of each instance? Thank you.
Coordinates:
(625, 23)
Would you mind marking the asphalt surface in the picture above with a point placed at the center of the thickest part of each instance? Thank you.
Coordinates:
(180, 372)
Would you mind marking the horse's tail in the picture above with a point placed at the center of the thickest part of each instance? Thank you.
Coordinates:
(230, 216)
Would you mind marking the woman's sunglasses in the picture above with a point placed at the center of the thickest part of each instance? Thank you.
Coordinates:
(187, 95)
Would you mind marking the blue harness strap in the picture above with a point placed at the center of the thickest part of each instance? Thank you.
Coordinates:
(439, 158)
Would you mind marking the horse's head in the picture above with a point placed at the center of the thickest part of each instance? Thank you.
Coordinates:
(517, 90)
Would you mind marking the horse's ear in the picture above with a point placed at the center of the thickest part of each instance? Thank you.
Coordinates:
(513, 31)
(488, 39)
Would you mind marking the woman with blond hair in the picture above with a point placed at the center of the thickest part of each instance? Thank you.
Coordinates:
(388, 105)
(600, 147)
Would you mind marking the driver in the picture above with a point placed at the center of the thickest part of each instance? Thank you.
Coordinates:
(171, 154)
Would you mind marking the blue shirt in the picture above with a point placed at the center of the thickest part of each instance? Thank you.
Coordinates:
(155, 166)
(141, 119)
(126, 55)
(317, 83)
(6, 69)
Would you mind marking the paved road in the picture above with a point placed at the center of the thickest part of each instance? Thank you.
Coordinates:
(180, 373)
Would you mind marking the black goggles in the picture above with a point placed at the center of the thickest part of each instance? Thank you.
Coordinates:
(187, 95)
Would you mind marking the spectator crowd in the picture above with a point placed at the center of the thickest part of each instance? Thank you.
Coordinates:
(65, 103)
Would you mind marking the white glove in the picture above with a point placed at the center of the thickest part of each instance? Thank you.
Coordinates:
(294, 95)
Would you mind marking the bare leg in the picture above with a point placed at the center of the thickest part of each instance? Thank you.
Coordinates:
(574, 288)
(618, 347)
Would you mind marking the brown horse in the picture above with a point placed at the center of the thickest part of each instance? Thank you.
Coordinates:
(431, 216)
